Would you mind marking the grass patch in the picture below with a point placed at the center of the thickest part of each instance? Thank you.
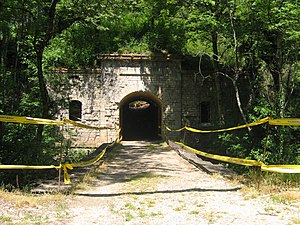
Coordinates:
(143, 176)
(269, 209)
(61, 211)
(178, 208)
(250, 193)
(87, 180)
(77, 154)
(283, 188)
(32, 209)
(151, 203)
(194, 212)
(4, 218)
(128, 216)
(279, 199)
(144, 182)
(164, 144)
(21, 199)
(142, 214)
(291, 195)
(130, 206)
(153, 214)
(35, 219)
(210, 217)
(200, 205)
(296, 220)
(151, 147)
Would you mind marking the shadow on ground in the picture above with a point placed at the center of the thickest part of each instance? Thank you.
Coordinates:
(159, 192)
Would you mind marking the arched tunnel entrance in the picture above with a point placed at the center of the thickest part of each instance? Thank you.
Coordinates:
(140, 116)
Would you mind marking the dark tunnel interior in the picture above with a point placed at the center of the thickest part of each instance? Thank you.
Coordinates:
(140, 119)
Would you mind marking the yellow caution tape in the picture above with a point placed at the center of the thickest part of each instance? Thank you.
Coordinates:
(24, 167)
(245, 162)
(280, 121)
(65, 168)
(281, 168)
(285, 121)
(85, 163)
(82, 125)
(29, 120)
(262, 121)
(92, 161)
(180, 129)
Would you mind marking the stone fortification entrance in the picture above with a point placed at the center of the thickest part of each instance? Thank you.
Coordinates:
(136, 95)
(140, 116)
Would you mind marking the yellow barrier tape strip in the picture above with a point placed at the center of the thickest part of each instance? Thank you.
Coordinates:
(24, 167)
(280, 121)
(262, 121)
(65, 168)
(281, 168)
(92, 161)
(29, 120)
(86, 163)
(180, 129)
(285, 121)
(245, 162)
(82, 125)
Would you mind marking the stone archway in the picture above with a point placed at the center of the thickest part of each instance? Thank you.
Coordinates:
(140, 116)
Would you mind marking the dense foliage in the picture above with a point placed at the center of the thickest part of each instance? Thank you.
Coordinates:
(252, 43)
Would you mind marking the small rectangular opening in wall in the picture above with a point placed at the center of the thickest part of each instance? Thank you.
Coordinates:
(75, 110)
(205, 112)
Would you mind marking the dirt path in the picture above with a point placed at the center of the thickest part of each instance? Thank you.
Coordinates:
(148, 183)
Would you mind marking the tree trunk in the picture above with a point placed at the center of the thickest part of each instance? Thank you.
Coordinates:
(239, 103)
(220, 114)
(45, 100)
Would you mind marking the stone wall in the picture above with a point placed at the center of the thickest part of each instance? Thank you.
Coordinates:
(101, 91)
(180, 92)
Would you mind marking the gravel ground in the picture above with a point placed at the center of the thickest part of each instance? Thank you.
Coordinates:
(149, 183)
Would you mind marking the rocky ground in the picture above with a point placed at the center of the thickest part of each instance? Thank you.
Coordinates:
(149, 183)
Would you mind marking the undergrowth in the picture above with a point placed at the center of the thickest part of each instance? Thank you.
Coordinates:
(284, 187)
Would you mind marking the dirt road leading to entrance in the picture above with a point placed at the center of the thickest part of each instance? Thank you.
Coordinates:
(149, 183)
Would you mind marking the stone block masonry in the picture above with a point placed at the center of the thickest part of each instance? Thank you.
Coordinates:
(101, 91)
(104, 94)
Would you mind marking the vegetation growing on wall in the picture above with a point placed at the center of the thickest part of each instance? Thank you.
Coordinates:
(252, 43)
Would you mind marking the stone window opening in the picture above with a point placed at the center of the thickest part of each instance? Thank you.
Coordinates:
(205, 112)
(75, 110)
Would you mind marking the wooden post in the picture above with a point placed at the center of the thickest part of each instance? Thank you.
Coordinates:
(17, 181)
(60, 159)
(264, 155)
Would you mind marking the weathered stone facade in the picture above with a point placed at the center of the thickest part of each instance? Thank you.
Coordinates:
(105, 92)
(101, 92)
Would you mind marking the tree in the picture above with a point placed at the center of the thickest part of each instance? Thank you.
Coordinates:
(44, 21)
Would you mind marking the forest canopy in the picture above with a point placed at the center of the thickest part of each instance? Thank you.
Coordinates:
(254, 40)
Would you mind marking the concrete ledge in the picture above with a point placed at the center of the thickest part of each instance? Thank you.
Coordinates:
(204, 165)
